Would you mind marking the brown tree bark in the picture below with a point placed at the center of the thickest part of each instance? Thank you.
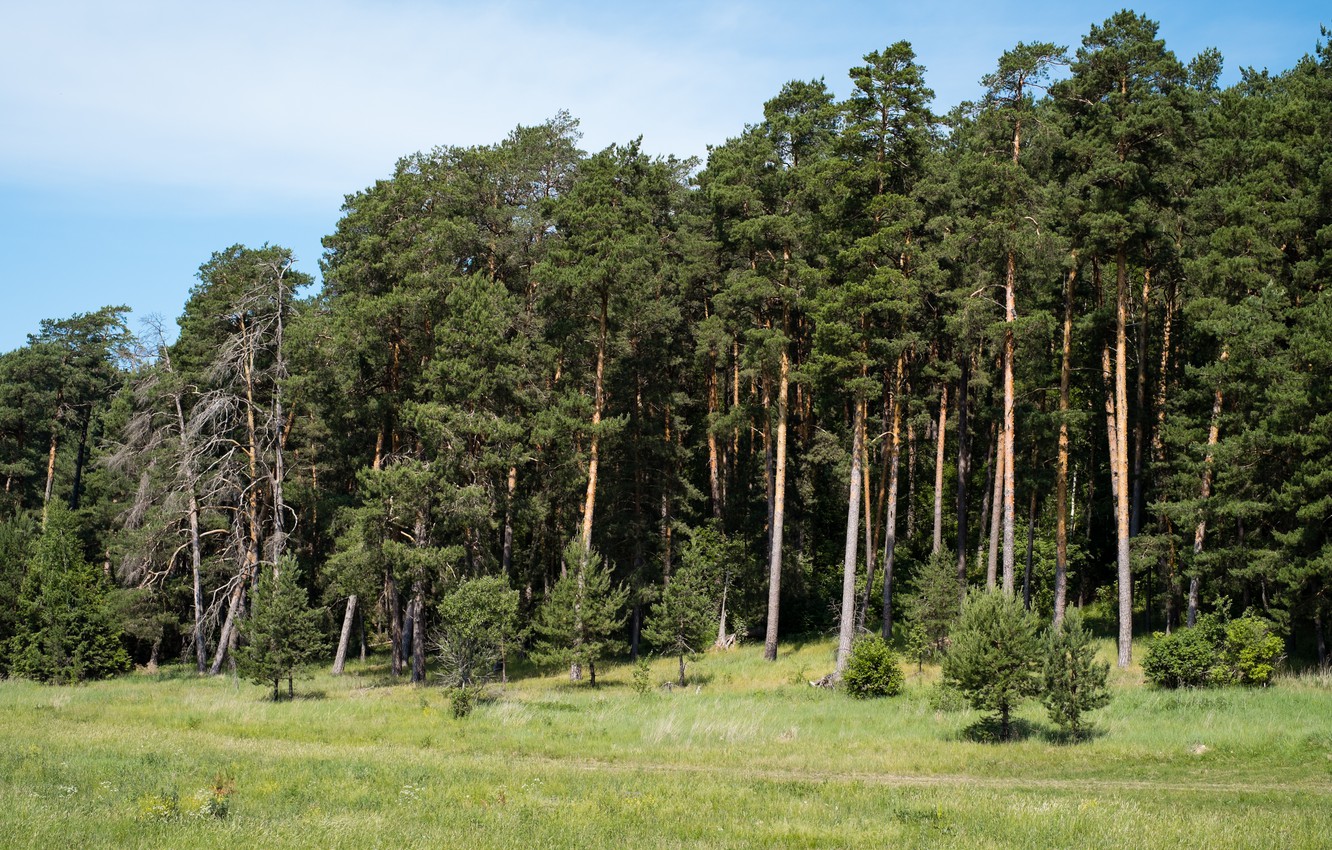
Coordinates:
(890, 528)
(1121, 461)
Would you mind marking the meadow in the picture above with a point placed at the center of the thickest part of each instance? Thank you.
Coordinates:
(748, 755)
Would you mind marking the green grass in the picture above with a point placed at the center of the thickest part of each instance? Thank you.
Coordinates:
(748, 756)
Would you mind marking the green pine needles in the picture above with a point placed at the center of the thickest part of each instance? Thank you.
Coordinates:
(283, 635)
(64, 629)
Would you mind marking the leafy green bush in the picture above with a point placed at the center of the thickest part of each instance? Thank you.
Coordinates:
(1214, 652)
(872, 670)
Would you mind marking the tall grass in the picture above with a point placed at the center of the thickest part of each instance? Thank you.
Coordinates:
(747, 755)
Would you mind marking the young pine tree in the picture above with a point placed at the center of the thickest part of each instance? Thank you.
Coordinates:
(995, 656)
(681, 622)
(576, 624)
(64, 631)
(1074, 682)
(283, 634)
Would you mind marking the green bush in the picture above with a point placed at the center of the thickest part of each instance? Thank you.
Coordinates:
(1214, 652)
(872, 670)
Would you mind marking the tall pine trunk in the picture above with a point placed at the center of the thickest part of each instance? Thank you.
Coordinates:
(847, 631)
(1121, 461)
(890, 528)
(937, 543)
(1061, 464)
(340, 659)
(778, 511)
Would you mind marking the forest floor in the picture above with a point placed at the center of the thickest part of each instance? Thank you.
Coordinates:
(747, 755)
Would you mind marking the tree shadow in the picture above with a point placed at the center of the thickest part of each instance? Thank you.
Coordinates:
(988, 730)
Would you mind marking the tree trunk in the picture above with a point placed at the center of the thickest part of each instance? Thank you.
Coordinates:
(506, 549)
(1135, 506)
(1061, 464)
(1009, 453)
(848, 621)
(418, 634)
(714, 471)
(996, 514)
(937, 543)
(393, 607)
(50, 473)
(963, 469)
(778, 513)
(1031, 543)
(1200, 532)
(1320, 638)
(869, 523)
(890, 528)
(228, 626)
(987, 502)
(340, 659)
(1122, 461)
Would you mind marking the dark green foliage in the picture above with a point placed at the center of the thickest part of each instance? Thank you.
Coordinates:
(995, 655)
(16, 537)
(1243, 651)
(64, 630)
(873, 669)
(283, 634)
(933, 606)
(478, 621)
(683, 621)
(1073, 681)
(578, 622)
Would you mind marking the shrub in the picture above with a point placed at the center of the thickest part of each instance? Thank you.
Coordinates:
(463, 701)
(872, 670)
(1073, 681)
(479, 620)
(1243, 651)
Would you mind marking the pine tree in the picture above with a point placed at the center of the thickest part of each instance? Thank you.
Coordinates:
(283, 634)
(680, 623)
(1073, 681)
(995, 656)
(577, 623)
(64, 631)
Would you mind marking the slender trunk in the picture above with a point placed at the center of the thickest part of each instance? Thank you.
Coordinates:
(996, 514)
(80, 458)
(1122, 461)
(224, 640)
(598, 402)
(869, 523)
(778, 513)
(506, 557)
(1061, 464)
(1135, 506)
(340, 659)
(418, 633)
(937, 544)
(911, 478)
(196, 580)
(987, 502)
(890, 528)
(393, 607)
(963, 469)
(1200, 532)
(1009, 402)
(714, 471)
(589, 502)
(50, 473)
(847, 631)
(1031, 544)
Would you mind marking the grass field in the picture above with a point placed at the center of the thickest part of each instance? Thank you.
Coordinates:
(748, 756)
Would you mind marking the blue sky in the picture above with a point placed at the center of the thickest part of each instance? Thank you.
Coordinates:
(140, 136)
